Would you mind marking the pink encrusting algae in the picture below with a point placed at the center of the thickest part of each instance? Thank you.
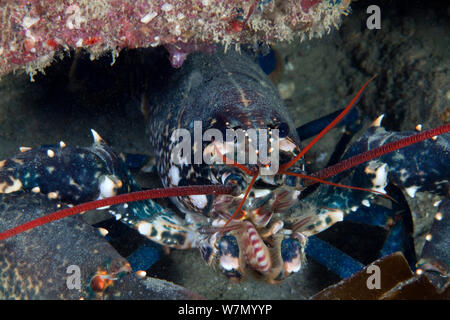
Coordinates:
(33, 31)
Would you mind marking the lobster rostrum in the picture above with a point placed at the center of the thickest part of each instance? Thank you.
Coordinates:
(255, 222)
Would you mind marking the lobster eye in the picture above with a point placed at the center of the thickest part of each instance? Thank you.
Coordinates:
(283, 130)
(235, 180)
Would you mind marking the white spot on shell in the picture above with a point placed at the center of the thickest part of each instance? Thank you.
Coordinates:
(285, 144)
(259, 193)
(141, 274)
(174, 175)
(144, 228)
(403, 175)
(290, 66)
(50, 153)
(286, 89)
(381, 172)
(5, 188)
(438, 216)
(103, 231)
(366, 203)
(199, 201)
(411, 191)
(228, 262)
(53, 195)
(294, 265)
(108, 186)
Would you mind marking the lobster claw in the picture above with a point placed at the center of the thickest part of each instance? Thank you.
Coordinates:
(69, 174)
(75, 175)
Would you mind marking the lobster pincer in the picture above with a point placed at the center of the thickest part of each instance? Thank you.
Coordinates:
(74, 175)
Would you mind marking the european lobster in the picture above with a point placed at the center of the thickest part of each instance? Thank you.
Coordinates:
(241, 217)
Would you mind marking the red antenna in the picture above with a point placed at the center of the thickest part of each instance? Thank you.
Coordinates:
(330, 126)
(128, 197)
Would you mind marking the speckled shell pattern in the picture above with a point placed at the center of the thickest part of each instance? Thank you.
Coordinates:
(222, 90)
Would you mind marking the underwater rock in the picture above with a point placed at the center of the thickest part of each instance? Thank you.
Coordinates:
(396, 281)
(33, 31)
(44, 263)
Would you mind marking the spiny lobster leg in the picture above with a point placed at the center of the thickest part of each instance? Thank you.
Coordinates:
(74, 175)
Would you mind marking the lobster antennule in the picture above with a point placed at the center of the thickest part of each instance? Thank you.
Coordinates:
(128, 197)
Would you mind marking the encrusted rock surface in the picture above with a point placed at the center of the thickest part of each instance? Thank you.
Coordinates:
(32, 32)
